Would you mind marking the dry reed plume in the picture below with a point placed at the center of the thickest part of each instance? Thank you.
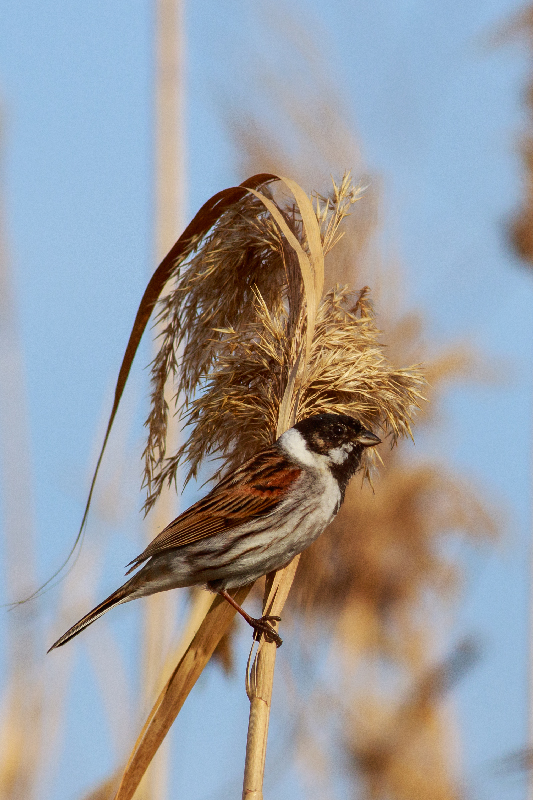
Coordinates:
(239, 305)
(252, 345)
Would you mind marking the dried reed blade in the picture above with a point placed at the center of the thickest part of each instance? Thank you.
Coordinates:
(171, 699)
(310, 269)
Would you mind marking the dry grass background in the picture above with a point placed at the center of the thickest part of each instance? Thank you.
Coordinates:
(377, 580)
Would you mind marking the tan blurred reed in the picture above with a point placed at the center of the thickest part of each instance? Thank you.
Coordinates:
(520, 231)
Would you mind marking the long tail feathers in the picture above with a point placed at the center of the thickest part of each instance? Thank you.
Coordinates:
(114, 599)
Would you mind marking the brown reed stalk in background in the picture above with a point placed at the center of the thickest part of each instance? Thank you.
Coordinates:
(521, 226)
(520, 231)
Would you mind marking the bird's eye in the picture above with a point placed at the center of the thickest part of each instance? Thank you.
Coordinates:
(338, 429)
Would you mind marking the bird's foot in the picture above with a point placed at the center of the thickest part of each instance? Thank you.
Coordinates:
(263, 627)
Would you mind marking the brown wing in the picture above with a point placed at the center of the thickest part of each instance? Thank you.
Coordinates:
(253, 490)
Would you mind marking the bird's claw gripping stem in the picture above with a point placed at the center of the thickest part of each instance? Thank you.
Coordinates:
(263, 627)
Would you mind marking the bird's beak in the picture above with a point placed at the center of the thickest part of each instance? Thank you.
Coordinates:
(368, 439)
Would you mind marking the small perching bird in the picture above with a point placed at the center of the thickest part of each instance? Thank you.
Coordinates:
(254, 521)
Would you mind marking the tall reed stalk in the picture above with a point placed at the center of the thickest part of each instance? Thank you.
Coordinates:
(19, 741)
(159, 612)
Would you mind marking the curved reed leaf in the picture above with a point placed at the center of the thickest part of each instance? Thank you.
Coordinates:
(176, 691)
(307, 271)
(312, 234)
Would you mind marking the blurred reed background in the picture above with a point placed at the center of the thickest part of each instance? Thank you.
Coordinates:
(370, 654)
(520, 232)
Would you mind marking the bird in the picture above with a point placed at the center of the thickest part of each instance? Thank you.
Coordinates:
(254, 521)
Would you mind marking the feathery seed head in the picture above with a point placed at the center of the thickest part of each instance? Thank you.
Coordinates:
(247, 337)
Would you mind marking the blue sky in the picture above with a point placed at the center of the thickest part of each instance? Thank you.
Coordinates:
(438, 114)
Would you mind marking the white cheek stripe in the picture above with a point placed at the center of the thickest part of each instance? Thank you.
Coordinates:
(294, 444)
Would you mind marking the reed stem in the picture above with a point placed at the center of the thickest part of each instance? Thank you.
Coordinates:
(259, 682)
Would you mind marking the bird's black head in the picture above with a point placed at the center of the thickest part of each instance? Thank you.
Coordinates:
(340, 439)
